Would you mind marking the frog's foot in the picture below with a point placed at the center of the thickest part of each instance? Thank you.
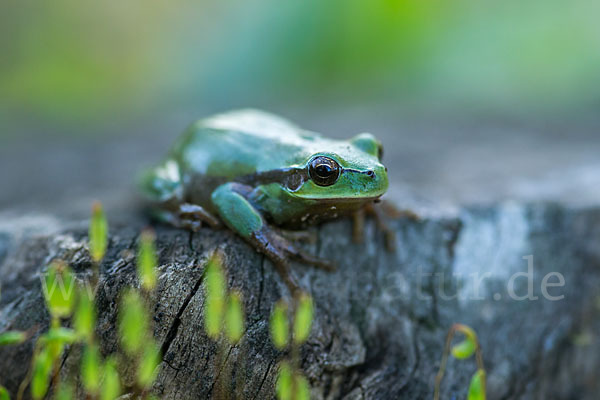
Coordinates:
(271, 242)
(280, 250)
(382, 212)
(193, 212)
(189, 216)
(276, 248)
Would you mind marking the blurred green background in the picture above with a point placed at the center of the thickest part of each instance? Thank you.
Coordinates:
(77, 65)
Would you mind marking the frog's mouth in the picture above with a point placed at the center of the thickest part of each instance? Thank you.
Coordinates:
(348, 200)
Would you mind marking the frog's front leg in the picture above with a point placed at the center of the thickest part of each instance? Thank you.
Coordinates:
(238, 213)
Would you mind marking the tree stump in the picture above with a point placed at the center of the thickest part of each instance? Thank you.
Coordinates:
(380, 319)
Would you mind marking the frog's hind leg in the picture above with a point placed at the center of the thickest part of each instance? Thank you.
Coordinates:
(187, 216)
(163, 187)
(194, 212)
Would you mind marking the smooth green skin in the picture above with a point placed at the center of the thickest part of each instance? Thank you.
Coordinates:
(233, 165)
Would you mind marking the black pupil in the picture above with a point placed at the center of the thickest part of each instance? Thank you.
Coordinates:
(324, 170)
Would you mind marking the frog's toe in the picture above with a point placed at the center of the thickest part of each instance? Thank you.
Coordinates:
(358, 226)
(191, 225)
(390, 240)
(382, 213)
(317, 262)
(280, 249)
(326, 265)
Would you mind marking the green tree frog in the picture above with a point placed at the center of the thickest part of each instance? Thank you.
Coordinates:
(258, 174)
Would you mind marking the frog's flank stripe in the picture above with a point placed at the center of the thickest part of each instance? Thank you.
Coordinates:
(292, 178)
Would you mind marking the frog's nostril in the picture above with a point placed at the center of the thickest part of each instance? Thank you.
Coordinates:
(371, 174)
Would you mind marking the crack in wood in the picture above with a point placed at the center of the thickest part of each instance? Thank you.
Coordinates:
(174, 328)
(262, 382)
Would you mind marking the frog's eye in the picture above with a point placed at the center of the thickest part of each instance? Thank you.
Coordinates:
(324, 171)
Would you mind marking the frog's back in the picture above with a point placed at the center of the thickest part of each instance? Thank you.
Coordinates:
(239, 143)
(236, 144)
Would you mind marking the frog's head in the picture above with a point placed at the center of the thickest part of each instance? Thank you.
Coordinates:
(346, 170)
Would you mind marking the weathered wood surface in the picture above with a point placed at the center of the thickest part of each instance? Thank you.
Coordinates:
(381, 319)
